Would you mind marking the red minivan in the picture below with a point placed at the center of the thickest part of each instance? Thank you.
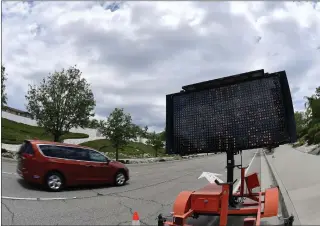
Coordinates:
(58, 165)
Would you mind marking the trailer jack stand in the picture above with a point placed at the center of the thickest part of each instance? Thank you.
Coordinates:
(289, 221)
(161, 220)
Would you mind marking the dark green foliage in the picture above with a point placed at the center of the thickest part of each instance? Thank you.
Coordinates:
(131, 150)
(163, 135)
(317, 138)
(155, 140)
(62, 101)
(119, 129)
(308, 122)
(94, 124)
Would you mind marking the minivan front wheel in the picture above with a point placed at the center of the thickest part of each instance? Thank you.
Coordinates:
(120, 179)
(54, 181)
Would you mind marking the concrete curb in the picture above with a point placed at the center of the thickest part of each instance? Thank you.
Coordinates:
(310, 151)
(287, 207)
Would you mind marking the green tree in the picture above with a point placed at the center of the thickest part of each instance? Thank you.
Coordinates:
(308, 122)
(119, 129)
(154, 139)
(62, 101)
(163, 135)
(3, 86)
(141, 133)
(300, 122)
(94, 123)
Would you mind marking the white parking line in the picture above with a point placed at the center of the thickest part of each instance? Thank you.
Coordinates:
(17, 198)
(33, 199)
(37, 199)
(10, 173)
(213, 221)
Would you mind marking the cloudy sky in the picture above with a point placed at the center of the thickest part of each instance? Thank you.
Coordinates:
(137, 54)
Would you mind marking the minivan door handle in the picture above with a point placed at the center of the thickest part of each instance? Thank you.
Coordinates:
(89, 165)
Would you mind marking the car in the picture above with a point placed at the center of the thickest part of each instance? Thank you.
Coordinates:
(59, 165)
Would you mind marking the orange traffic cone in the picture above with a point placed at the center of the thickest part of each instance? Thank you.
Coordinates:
(135, 219)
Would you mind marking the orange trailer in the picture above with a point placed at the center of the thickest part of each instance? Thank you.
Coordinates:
(213, 200)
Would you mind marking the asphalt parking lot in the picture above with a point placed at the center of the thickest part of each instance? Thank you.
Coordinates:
(152, 190)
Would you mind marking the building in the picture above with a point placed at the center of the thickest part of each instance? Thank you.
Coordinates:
(16, 112)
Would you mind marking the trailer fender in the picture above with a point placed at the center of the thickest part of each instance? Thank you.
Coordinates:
(271, 202)
(182, 203)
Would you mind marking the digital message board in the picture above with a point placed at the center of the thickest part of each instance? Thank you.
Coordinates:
(246, 111)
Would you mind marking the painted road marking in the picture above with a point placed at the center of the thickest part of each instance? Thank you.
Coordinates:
(10, 173)
(37, 199)
(213, 221)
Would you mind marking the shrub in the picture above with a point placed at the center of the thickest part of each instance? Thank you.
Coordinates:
(133, 150)
(317, 138)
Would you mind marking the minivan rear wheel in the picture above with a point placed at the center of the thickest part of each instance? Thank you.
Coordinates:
(54, 181)
(120, 178)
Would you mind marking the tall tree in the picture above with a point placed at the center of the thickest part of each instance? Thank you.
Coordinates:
(62, 101)
(141, 133)
(3, 86)
(308, 122)
(314, 104)
(155, 140)
(94, 123)
(163, 135)
(300, 122)
(119, 129)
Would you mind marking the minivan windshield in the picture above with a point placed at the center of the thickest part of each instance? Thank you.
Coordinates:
(108, 159)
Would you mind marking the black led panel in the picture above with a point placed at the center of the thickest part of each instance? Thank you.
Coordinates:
(240, 112)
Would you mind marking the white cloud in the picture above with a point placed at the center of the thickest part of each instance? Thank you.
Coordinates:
(136, 55)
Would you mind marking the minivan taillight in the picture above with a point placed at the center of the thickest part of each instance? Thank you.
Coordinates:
(26, 155)
(25, 152)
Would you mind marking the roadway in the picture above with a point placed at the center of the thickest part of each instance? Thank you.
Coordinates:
(152, 190)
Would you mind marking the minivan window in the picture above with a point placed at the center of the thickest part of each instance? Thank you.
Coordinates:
(96, 156)
(26, 148)
(52, 151)
(75, 153)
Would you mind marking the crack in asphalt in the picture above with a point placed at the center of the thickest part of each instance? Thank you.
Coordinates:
(150, 185)
(143, 200)
(162, 206)
(12, 213)
(117, 194)
(97, 193)
(125, 222)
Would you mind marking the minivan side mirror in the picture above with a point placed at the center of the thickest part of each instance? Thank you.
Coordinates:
(107, 161)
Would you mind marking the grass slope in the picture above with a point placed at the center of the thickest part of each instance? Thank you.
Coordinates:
(133, 150)
(15, 133)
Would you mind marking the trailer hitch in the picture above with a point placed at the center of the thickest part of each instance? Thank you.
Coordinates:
(161, 220)
(289, 221)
